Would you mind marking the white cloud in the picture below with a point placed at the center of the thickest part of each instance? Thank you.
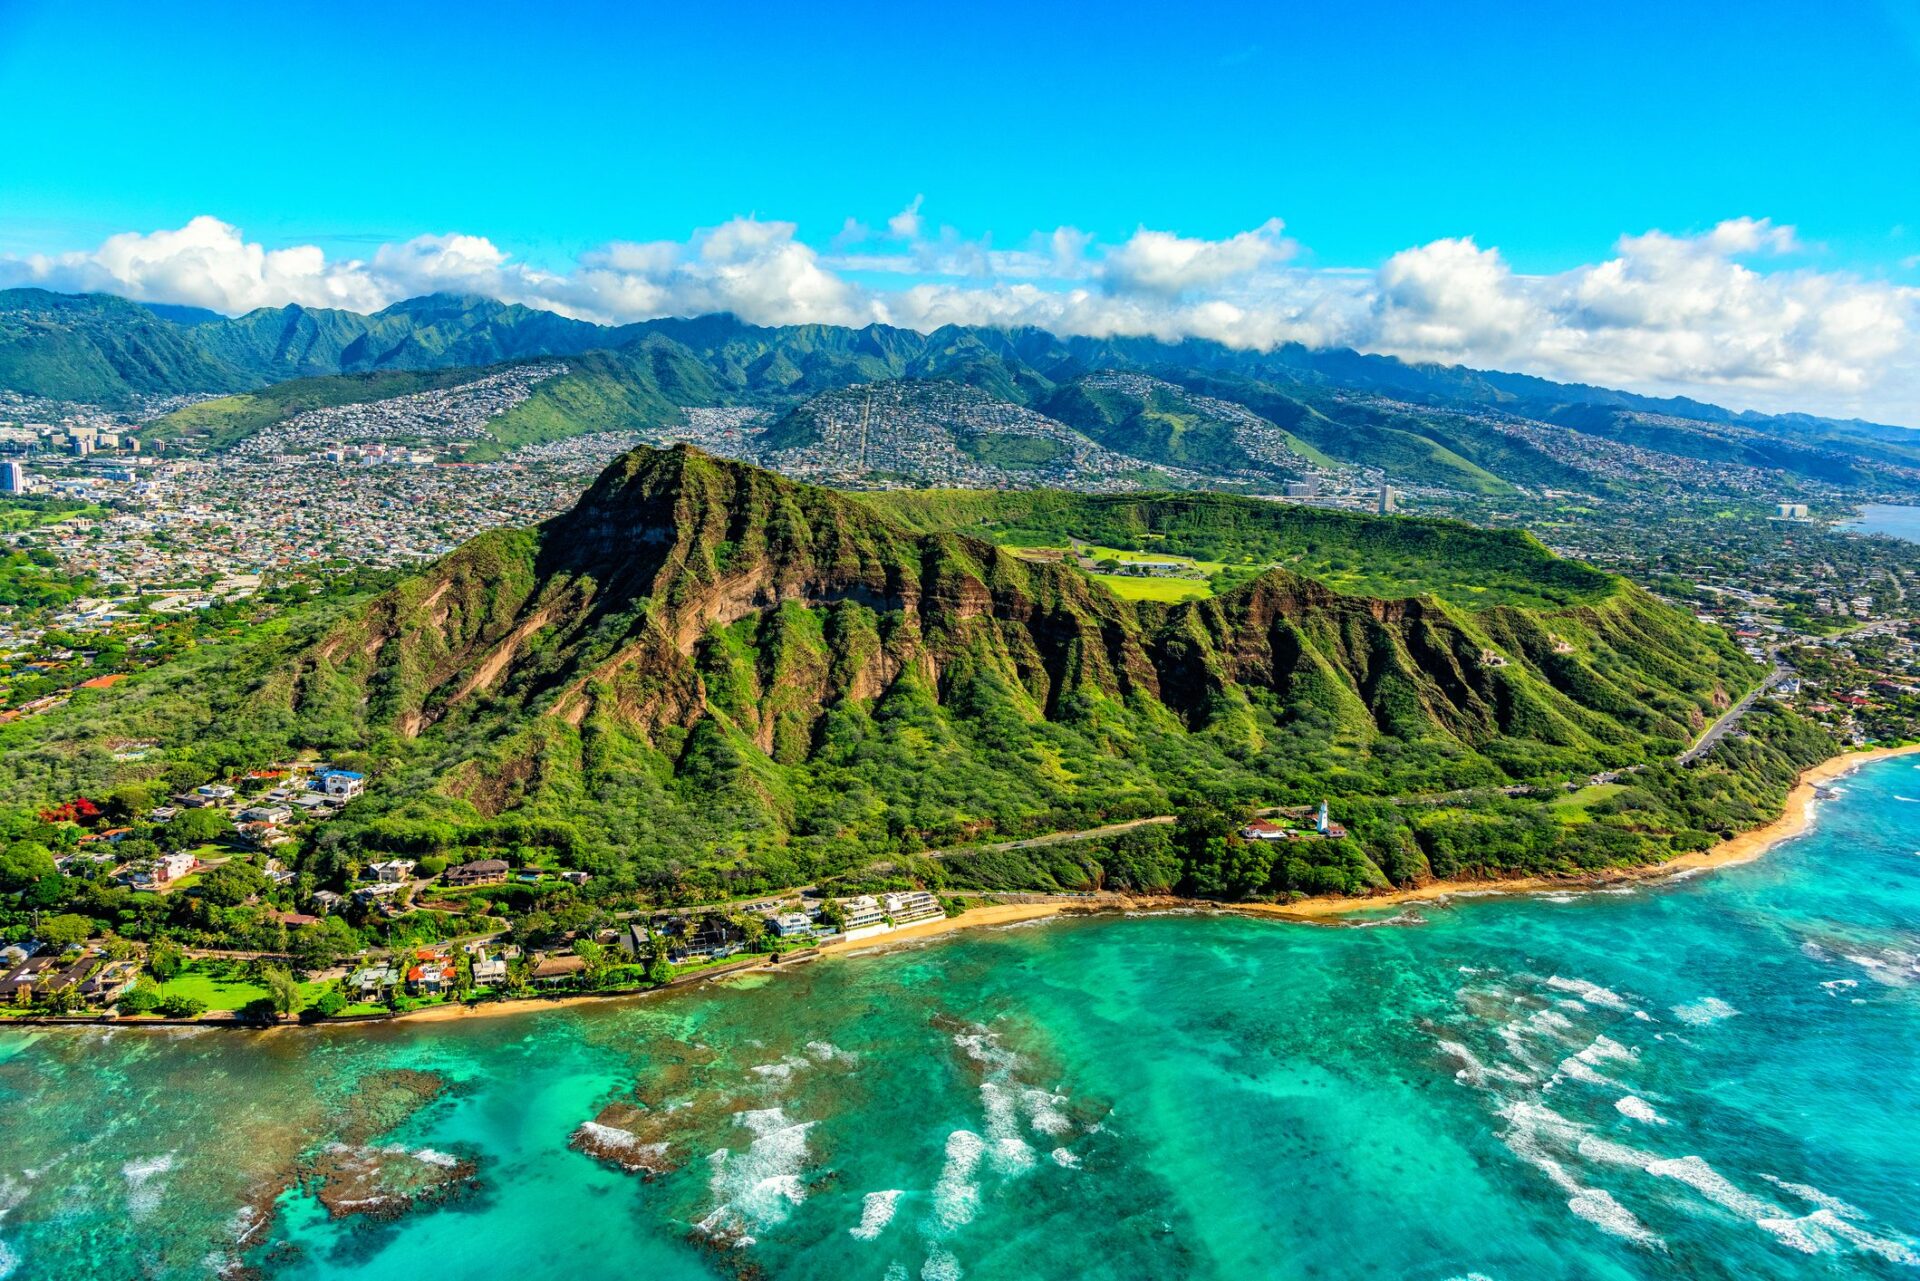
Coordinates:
(906, 223)
(1162, 263)
(1733, 313)
(206, 264)
(1665, 313)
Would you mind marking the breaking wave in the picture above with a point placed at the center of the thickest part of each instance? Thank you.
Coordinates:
(876, 1212)
(1708, 1009)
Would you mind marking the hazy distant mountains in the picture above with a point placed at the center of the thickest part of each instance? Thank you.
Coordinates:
(1193, 405)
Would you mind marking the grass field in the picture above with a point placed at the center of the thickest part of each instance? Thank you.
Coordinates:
(222, 985)
(1170, 590)
(1576, 807)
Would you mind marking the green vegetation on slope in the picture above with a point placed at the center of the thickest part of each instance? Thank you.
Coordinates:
(705, 676)
(1353, 552)
(220, 423)
(637, 388)
(101, 350)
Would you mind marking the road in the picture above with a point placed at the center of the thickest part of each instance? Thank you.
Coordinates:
(1731, 717)
(1055, 838)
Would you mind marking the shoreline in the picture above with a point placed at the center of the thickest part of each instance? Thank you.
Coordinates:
(1794, 820)
(1796, 817)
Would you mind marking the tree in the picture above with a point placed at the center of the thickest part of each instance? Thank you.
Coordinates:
(128, 801)
(753, 929)
(596, 958)
(282, 991)
(164, 961)
(659, 968)
(142, 998)
(315, 947)
(198, 827)
(232, 884)
(67, 930)
(181, 1006)
(23, 863)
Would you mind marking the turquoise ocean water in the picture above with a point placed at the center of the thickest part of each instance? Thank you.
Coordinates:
(1716, 1077)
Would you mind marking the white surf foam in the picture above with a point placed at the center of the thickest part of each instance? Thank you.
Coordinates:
(1708, 1009)
(1065, 1159)
(1531, 1127)
(1637, 1109)
(760, 1186)
(1715, 1187)
(876, 1212)
(1044, 1114)
(1597, 1206)
(1591, 993)
(144, 1184)
(956, 1198)
(941, 1266)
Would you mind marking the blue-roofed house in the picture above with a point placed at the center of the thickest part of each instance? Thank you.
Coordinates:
(342, 784)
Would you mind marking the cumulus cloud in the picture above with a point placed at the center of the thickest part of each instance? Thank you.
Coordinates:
(906, 223)
(1733, 312)
(206, 264)
(1163, 263)
(1665, 312)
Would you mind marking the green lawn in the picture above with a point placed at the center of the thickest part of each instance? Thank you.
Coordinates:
(222, 985)
(1161, 589)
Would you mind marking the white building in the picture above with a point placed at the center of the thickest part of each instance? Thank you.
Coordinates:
(791, 924)
(342, 784)
(865, 917)
(910, 906)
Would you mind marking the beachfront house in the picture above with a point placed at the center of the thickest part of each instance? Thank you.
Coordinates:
(430, 975)
(791, 925)
(372, 983)
(865, 917)
(910, 906)
(554, 969)
(489, 971)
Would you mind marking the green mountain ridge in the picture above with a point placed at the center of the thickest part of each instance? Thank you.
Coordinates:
(1420, 424)
(705, 666)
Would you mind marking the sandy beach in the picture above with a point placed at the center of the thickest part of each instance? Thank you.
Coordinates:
(1747, 846)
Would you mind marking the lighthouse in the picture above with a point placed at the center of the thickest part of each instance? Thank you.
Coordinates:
(1320, 821)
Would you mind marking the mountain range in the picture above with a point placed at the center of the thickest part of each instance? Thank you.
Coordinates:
(1197, 407)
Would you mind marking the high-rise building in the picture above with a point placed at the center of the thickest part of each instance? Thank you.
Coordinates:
(1387, 497)
(13, 478)
(1301, 488)
(1790, 511)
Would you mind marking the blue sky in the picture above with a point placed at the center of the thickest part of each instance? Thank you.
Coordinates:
(1543, 132)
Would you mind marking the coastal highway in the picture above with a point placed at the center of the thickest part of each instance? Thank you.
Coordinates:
(1731, 717)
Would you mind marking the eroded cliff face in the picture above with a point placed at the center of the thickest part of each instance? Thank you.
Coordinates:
(683, 588)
